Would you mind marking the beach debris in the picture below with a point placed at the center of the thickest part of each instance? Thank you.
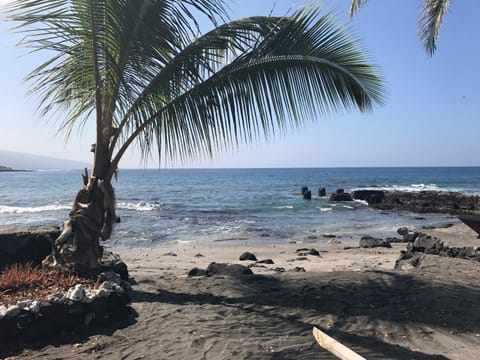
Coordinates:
(322, 192)
(333, 242)
(334, 347)
(279, 269)
(199, 255)
(248, 256)
(371, 242)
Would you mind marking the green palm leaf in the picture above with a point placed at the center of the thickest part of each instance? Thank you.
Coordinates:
(431, 18)
(286, 71)
(141, 66)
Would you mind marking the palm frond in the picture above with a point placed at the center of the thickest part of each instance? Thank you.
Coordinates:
(134, 40)
(305, 68)
(355, 6)
(431, 19)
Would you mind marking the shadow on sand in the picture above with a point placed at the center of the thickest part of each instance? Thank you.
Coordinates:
(294, 303)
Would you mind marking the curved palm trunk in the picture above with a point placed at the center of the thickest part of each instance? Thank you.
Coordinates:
(91, 220)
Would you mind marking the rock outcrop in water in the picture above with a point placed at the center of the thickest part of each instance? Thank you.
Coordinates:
(421, 202)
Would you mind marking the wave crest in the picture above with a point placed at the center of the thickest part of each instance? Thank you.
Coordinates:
(140, 206)
(4, 209)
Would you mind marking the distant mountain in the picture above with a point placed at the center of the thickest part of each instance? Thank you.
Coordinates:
(22, 161)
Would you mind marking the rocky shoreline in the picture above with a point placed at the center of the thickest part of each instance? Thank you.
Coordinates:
(454, 203)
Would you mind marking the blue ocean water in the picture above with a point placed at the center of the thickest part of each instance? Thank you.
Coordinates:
(249, 205)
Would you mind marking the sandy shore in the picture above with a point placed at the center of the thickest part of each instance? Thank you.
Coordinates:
(352, 294)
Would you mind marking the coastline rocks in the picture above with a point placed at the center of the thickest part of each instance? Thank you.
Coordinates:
(370, 196)
(371, 242)
(322, 192)
(341, 195)
(428, 245)
(26, 244)
(307, 194)
(420, 202)
(247, 256)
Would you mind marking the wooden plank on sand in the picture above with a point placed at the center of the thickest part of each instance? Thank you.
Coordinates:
(333, 346)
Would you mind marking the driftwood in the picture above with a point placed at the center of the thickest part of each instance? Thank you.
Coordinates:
(334, 347)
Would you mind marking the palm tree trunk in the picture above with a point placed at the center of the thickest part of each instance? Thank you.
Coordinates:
(91, 220)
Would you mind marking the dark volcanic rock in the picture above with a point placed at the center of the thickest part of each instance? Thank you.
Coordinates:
(197, 272)
(26, 244)
(427, 244)
(408, 235)
(371, 242)
(307, 195)
(370, 196)
(305, 252)
(322, 192)
(265, 261)
(112, 262)
(428, 202)
(341, 197)
(248, 256)
(226, 269)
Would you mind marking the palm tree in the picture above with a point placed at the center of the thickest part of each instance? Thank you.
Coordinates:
(431, 18)
(142, 70)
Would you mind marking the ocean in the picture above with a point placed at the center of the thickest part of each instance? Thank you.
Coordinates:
(201, 206)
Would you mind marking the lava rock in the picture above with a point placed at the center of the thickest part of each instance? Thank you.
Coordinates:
(307, 195)
(265, 261)
(370, 196)
(22, 244)
(248, 256)
(410, 263)
(427, 244)
(341, 197)
(226, 269)
(371, 242)
(197, 272)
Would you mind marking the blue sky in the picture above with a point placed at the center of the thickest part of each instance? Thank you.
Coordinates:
(431, 117)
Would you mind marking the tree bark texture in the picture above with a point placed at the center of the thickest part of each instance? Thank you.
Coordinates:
(91, 220)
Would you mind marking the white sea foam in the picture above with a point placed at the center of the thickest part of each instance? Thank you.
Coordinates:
(363, 202)
(406, 188)
(284, 207)
(33, 209)
(324, 209)
(140, 206)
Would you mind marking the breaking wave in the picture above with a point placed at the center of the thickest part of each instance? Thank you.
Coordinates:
(33, 209)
